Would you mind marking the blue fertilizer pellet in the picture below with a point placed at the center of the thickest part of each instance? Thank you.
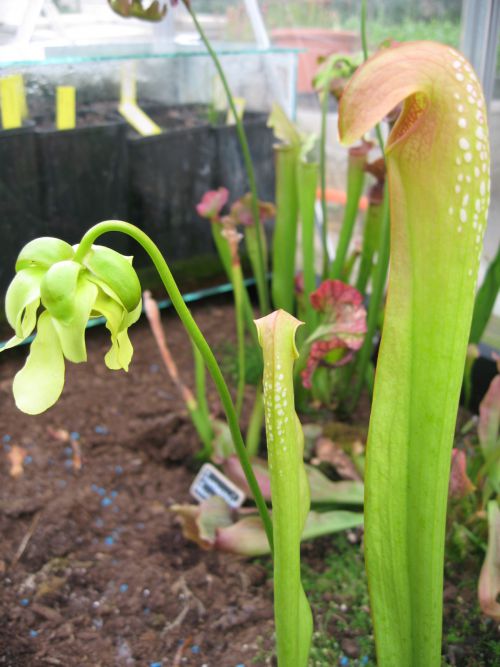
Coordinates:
(94, 487)
(113, 494)
(68, 463)
(7, 448)
(118, 470)
(364, 660)
(68, 451)
(24, 602)
(106, 502)
(101, 430)
(109, 540)
(195, 648)
(123, 588)
(344, 660)
(99, 523)
(155, 664)
(116, 509)
(101, 491)
(147, 610)
(28, 459)
(74, 435)
(33, 633)
(240, 664)
(7, 438)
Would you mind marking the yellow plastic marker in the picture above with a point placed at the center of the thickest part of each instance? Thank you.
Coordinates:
(128, 90)
(239, 103)
(129, 108)
(65, 107)
(21, 94)
(9, 100)
(140, 121)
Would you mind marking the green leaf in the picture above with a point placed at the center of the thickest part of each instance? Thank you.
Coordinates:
(22, 300)
(289, 487)
(38, 385)
(324, 491)
(117, 272)
(485, 299)
(283, 128)
(43, 252)
(58, 289)
(72, 333)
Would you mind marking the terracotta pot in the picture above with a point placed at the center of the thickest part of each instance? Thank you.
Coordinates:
(315, 42)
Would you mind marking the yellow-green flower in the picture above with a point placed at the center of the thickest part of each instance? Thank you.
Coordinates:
(69, 293)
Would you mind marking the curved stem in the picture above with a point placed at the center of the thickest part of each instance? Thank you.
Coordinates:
(197, 337)
(263, 291)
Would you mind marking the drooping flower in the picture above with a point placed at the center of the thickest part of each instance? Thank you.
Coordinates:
(70, 293)
(334, 72)
(212, 203)
(134, 9)
(241, 211)
(342, 330)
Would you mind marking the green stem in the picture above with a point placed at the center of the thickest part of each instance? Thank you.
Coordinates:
(253, 243)
(195, 334)
(355, 182)
(307, 176)
(240, 334)
(200, 383)
(225, 256)
(322, 167)
(485, 300)
(376, 298)
(255, 424)
(261, 283)
(364, 42)
(364, 45)
(204, 429)
(285, 228)
(371, 233)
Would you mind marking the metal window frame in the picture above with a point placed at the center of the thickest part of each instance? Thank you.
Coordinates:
(479, 39)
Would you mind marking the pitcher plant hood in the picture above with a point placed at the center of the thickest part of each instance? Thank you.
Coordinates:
(438, 175)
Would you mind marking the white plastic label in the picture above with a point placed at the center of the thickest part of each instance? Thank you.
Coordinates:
(211, 482)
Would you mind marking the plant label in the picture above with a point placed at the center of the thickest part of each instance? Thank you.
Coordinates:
(211, 482)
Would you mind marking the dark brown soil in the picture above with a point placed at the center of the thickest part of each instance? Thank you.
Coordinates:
(106, 577)
(99, 113)
(93, 567)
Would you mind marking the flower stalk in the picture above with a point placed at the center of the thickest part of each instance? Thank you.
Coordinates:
(197, 338)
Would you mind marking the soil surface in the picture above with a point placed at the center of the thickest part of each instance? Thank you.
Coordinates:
(94, 569)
